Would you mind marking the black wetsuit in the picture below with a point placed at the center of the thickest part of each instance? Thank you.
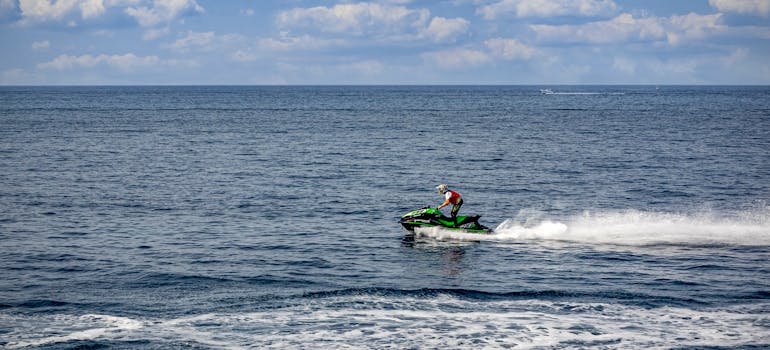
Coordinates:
(456, 208)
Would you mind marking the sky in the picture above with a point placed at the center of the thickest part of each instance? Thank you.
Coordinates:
(377, 42)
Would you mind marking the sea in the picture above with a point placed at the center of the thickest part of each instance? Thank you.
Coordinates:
(267, 217)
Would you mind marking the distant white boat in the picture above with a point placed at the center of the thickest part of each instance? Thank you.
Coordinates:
(546, 91)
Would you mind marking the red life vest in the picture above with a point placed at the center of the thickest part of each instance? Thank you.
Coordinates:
(454, 197)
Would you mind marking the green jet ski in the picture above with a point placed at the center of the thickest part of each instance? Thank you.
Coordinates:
(432, 217)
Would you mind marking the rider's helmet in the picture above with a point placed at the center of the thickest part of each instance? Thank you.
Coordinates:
(443, 188)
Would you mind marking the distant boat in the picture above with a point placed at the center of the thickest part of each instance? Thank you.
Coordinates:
(546, 91)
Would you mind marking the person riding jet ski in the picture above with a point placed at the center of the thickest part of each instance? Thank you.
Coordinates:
(451, 197)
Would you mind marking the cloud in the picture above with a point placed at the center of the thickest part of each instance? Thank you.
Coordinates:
(6, 5)
(399, 2)
(41, 10)
(693, 26)
(759, 7)
(375, 21)
(457, 57)
(92, 8)
(193, 40)
(676, 67)
(288, 42)
(39, 45)
(353, 71)
(124, 62)
(624, 65)
(163, 11)
(494, 49)
(619, 29)
(509, 49)
(243, 56)
(625, 28)
(45, 10)
(548, 8)
(16, 76)
(238, 47)
(369, 67)
(442, 29)
(711, 68)
(147, 13)
(356, 19)
(154, 33)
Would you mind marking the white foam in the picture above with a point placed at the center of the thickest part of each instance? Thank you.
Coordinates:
(630, 227)
(452, 323)
(443, 234)
(441, 321)
(633, 227)
(68, 327)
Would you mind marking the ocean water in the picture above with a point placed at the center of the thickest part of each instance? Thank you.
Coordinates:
(267, 217)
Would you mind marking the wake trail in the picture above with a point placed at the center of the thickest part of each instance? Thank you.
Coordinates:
(630, 227)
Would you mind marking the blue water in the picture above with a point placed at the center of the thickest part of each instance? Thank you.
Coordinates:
(267, 217)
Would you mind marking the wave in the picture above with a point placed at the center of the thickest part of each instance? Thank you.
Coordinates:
(629, 298)
(630, 227)
(443, 320)
(62, 328)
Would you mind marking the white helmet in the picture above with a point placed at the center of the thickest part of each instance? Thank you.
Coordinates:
(442, 188)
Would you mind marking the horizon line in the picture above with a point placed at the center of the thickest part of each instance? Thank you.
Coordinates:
(370, 85)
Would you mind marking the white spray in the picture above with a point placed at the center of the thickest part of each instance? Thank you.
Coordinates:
(629, 227)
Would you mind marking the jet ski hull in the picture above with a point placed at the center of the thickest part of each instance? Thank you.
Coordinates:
(431, 217)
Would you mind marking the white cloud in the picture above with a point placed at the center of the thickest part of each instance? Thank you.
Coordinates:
(243, 56)
(369, 67)
(624, 65)
(509, 49)
(357, 19)
(676, 67)
(377, 21)
(125, 62)
(43, 10)
(39, 45)
(121, 3)
(548, 8)
(711, 68)
(194, 40)
(162, 11)
(152, 34)
(759, 7)
(92, 8)
(288, 42)
(457, 58)
(442, 29)
(247, 12)
(693, 26)
(147, 13)
(399, 2)
(621, 28)
(494, 49)
(7, 5)
(626, 28)
(15, 76)
(235, 44)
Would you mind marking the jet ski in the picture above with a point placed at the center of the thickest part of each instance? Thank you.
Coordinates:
(432, 217)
